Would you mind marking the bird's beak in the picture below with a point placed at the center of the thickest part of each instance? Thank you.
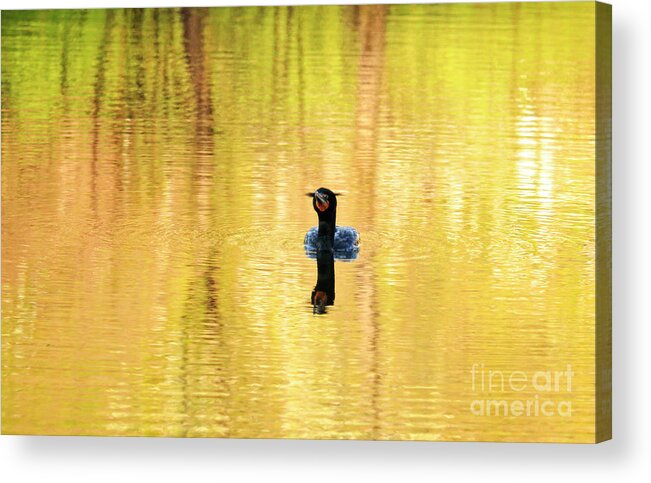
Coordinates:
(322, 202)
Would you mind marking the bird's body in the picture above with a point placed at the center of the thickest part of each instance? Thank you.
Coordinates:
(346, 239)
(342, 240)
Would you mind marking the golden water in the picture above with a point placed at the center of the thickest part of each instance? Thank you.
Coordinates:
(154, 170)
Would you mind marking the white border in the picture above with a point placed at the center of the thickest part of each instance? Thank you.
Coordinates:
(626, 458)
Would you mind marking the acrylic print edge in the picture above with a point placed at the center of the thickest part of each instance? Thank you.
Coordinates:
(603, 222)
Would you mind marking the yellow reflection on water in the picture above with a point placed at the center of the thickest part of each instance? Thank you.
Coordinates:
(154, 168)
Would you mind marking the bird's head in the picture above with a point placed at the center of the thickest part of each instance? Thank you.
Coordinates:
(323, 200)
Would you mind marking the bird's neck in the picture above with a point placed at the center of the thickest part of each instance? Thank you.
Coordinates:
(327, 223)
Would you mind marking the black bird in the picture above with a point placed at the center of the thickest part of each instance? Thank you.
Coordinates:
(343, 240)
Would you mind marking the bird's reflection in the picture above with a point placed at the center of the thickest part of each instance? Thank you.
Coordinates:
(323, 294)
